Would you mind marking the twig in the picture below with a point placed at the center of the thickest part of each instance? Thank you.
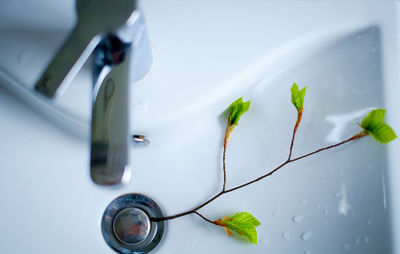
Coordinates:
(224, 191)
(359, 135)
(224, 161)
(226, 138)
(296, 126)
(204, 218)
(187, 212)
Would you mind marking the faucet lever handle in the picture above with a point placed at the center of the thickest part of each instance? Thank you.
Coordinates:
(96, 18)
(67, 62)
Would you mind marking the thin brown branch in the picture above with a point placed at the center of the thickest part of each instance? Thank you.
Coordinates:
(296, 126)
(257, 179)
(357, 136)
(227, 134)
(204, 218)
(224, 168)
(187, 212)
(224, 161)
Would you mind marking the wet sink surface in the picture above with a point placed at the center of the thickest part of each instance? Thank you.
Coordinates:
(334, 202)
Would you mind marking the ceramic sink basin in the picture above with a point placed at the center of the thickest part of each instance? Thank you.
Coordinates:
(206, 55)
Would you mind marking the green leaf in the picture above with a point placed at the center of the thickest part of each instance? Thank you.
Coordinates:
(242, 223)
(374, 125)
(236, 110)
(298, 96)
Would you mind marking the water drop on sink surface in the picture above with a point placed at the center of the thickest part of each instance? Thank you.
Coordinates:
(298, 219)
(306, 235)
(286, 235)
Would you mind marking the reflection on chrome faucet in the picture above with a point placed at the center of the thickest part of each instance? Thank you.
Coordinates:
(111, 32)
(109, 136)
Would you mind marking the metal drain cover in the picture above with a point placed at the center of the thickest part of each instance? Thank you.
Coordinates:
(126, 224)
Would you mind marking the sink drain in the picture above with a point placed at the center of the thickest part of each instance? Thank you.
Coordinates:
(126, 224)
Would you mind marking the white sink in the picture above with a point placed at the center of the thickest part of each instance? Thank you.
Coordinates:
(206, 55)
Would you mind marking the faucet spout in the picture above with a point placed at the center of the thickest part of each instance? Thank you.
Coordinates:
(113, 33)
(112, 74)
(110, 123)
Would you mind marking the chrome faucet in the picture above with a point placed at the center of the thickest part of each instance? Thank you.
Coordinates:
(111, 32)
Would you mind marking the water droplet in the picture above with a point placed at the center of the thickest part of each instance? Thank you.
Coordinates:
(338, 195)
(277, 211)
(286, 235)
(323, 181)
(369, 222)
(346, 246)
(326, 210)
(374, 49)
(366, 239)
(26, 56)
(306, 235)
(384, 200)
(307, 252)
(264, 240)
(358, 240)
(23, 57)
(343, 205)
(359, 37)
(141, 106)
(304, 201)
(298, 219)
(193, 243)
